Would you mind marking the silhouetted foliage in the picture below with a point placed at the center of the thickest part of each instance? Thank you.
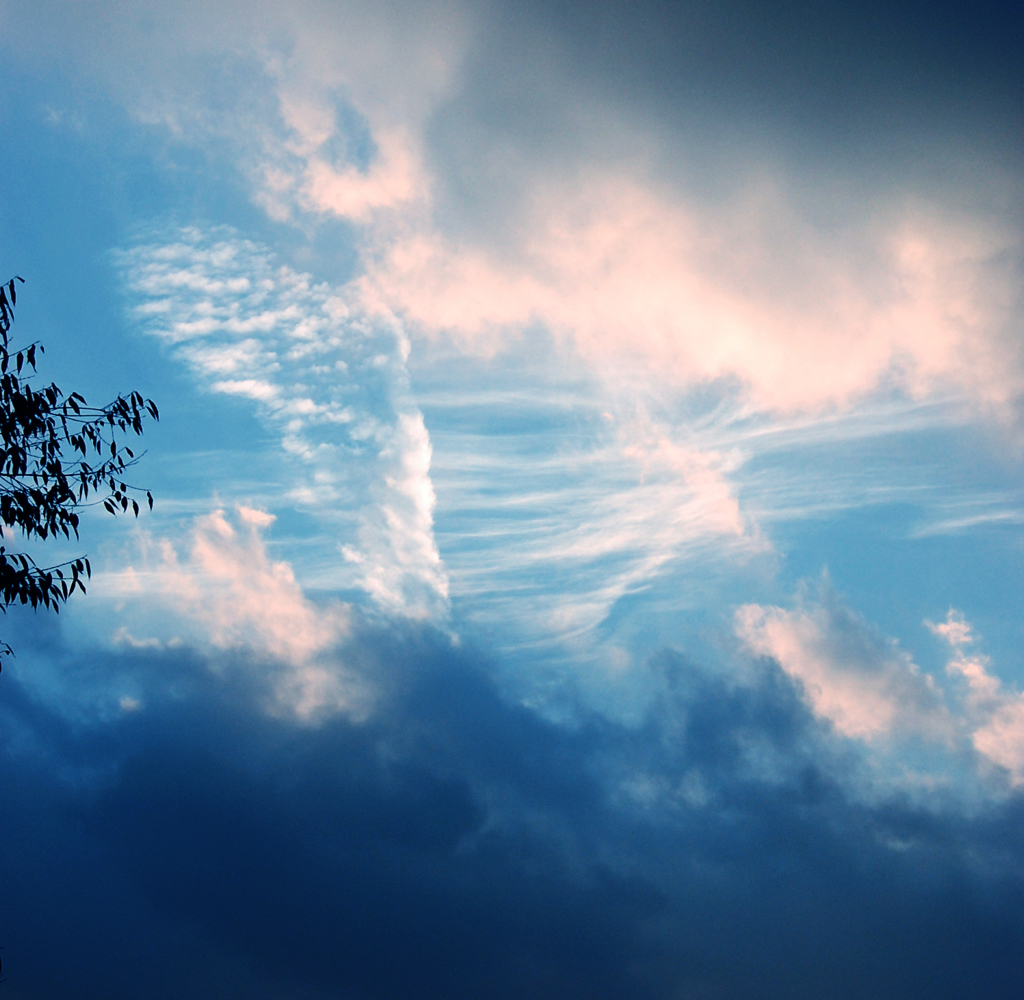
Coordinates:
(41, 492)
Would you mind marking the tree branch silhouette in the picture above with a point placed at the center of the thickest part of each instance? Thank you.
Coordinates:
(41, 489)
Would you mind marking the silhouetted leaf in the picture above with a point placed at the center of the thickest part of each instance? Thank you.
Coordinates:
(38, 497)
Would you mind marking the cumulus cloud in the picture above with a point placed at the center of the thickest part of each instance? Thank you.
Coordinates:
(636, 276)
(866, 687)
(871, 690)
(996, 715)
(225, 592)
(243, 596)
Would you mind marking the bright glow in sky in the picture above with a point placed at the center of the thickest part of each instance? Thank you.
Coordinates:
(588, 489)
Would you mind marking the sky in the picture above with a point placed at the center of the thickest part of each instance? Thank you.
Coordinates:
(589, 518)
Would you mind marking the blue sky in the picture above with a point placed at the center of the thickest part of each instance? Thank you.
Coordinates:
(589, 511)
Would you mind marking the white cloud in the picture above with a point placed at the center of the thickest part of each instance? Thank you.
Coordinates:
(399, 562)
(330, 380)
(394, 179)
(551, 513)
(956, 630)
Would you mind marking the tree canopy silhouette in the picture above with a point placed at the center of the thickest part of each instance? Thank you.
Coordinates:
(42, 490)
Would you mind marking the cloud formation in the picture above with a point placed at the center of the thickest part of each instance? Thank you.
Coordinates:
(543, 534)
(456, 845)
(865, 687)
(805, 293)
(224, 592)
(570, 331)
(636, 277)
(328, 379)
(751, 290)
(331, 378)
(997, 715)
(871, 690)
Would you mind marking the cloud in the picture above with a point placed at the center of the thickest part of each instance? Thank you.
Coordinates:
(635, 267)
(641, 327)
(997, 715)
(458, 845)
(802, 292)
(865, 687)
(495, 192)
(244, 597)
(332, 380)
(329, 380)
(637, 277)
(400, 564)
(1001, 738)
(956, 630)
(805, 291)
(393, 179)
(871, 690)
(226, 593)
(552, 510)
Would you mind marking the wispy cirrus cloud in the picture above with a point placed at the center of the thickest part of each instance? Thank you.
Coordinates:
(552, 510)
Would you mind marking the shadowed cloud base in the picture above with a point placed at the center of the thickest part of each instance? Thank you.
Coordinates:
(456, 846)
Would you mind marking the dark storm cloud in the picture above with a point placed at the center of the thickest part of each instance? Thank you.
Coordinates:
(457, 846)
(817, 62)
(842, 107)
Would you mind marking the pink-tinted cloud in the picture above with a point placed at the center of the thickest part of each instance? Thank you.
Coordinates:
(714, 504)
(392, 180)
(245, 598)
(956, 630)
(635, 276)
(867, 689)
(597, 244)
(228, 593)
(639, 276)
(870, 689)
(996, 715)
